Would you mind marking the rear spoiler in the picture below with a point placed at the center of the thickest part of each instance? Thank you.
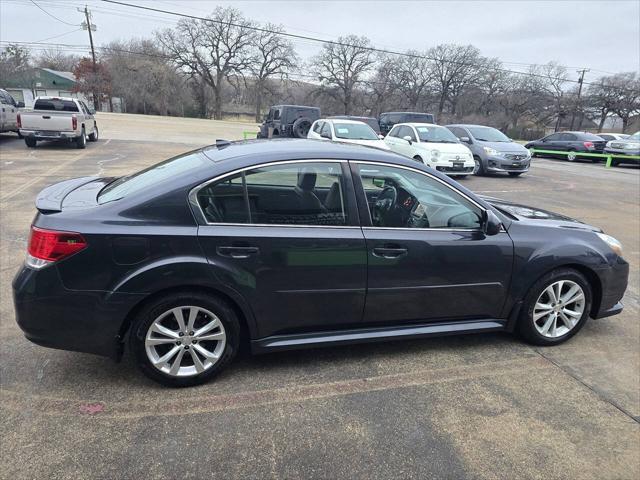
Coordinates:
(50, 199)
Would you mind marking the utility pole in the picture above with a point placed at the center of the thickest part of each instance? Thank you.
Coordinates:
(87, 25)
(578, 106)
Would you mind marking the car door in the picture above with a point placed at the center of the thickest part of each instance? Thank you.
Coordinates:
(567, 141)
(428, 258)
(286, 237)
(406, 147)
(551, 142)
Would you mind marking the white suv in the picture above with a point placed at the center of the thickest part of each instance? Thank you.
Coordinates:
(432, 145)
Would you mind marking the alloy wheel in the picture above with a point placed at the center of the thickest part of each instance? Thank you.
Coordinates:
(558, 309)
(476, 166)
(571, 156)
(185, 341)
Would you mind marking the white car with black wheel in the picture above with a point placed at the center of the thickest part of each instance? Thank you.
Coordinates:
(433, 145)
(346, 131)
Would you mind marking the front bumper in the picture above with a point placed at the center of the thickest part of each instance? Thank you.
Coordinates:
(48, 134)
(625, 152)
(53, 316)
(501, 164)
(614, 280)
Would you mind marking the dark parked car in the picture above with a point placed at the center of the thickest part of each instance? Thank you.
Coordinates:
(297, 243)
(388, 119)
(371, 121)
(288, 121)
(572, 142)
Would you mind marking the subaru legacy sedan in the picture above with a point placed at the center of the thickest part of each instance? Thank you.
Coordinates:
(290, 244)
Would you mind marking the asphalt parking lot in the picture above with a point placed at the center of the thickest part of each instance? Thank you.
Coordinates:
(484, 406)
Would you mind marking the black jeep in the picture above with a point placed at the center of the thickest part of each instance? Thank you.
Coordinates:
(288, 121)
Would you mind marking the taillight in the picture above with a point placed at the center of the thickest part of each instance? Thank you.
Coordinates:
(48, 246)
(588, 144)
(74, 122)
(19, 121)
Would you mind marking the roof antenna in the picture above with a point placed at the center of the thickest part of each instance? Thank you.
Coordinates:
(221, 143)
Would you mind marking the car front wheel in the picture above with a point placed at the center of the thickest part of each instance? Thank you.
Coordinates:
(555, 308)
(185, 339)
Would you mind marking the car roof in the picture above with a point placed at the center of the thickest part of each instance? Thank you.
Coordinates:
(296, 106)
(469, 125)
(341, 120)
(56, 98)
(416, 124)
(413, 113)
(351, 117)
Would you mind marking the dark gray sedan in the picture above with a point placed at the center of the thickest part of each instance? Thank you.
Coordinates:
(297, 243)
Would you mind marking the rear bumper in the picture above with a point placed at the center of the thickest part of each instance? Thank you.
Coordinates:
(48, 135)
(622, 153)
(55, 317)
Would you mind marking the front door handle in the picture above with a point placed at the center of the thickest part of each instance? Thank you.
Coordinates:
(389, 252)
(237, 252)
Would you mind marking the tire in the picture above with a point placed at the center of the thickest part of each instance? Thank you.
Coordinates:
(615, 163)
(572, 156)
(30, 142)
(515, 174)
(301, 127)
(81, 141)
(93, 136)
(210, 309)
(479, 167)
(19, 134)
(558, 330)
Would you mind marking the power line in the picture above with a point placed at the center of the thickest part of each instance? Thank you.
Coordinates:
(333, 42)
(53, 16)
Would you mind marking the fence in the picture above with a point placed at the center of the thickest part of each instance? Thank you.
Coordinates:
(607, 156)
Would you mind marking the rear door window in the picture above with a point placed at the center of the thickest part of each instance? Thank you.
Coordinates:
(305, 193)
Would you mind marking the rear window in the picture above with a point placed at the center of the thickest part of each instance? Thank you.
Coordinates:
(590, 137)
(56, 104)
(152, 176)
(418, 118)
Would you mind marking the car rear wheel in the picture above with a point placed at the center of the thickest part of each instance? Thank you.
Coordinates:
(185, 339)
(301, 127)
(555, 308)
(93, 137)
(30, 142)
(81, 141)
(572, 156)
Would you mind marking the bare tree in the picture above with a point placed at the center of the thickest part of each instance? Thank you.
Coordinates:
(213, 49)
(57, 60)
(15, 65)
(382, 88)
(553, 80)
(627, 104)
(412, 77)
(341, 67)
(454, 67)
(274, 56)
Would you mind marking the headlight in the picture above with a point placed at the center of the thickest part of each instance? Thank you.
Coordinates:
(632, 146)
(613, 243)
(435, 153)
(491, 151)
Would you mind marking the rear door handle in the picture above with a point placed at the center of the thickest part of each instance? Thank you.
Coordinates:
(237, 252)
(46, 117)
(389, 252)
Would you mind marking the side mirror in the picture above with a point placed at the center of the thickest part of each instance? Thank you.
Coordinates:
(408, 139)
(465, 139)
(20, 105)
(491, 224)
(380, 136)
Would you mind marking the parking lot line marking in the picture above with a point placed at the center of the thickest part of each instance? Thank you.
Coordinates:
(285, 395)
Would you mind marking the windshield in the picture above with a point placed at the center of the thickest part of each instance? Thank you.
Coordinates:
(635, 137)
(152, 176)
(354, 131)
(436, 134)
(488, 134)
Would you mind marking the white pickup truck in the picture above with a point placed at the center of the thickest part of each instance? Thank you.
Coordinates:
(58, 118)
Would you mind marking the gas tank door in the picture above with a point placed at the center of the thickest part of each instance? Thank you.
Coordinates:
(130, 250)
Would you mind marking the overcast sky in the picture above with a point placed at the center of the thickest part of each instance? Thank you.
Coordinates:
(601, 35)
